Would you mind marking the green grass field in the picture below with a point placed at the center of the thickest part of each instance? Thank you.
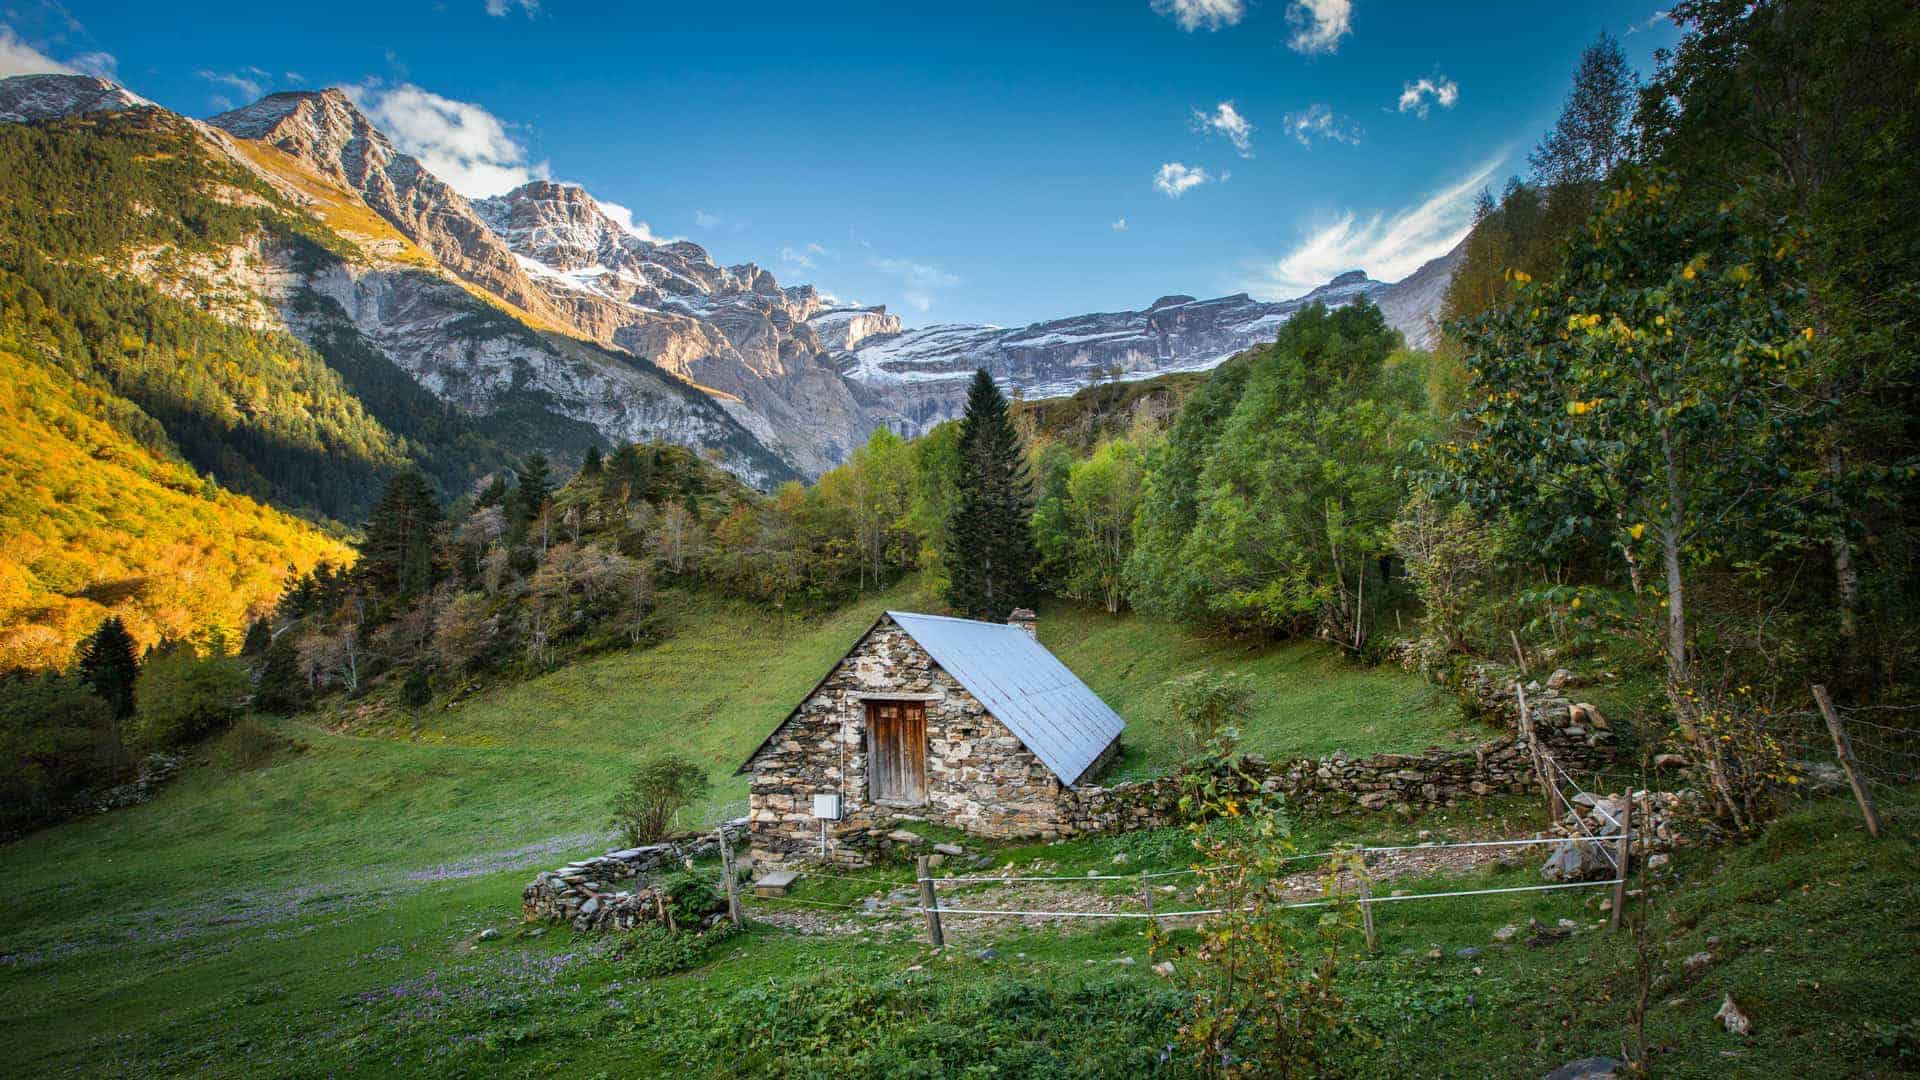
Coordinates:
(320, 915)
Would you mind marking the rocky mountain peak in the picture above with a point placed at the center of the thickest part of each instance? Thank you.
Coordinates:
(1351, 277)
(27, 98)
(1170, 301)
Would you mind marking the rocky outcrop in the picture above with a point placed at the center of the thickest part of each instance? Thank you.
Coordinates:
(27, 98)
(330, 136)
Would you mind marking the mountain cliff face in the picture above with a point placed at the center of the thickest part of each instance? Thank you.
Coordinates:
(539, 303)
(930, 366)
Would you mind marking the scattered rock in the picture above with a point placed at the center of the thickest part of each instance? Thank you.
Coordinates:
(1657, 860)
(1670, 761)
(1467, 953)
(1164, 969)
(1120, 859)
(1593, 1068)
(1736, 1021)
(489, 934)
(1560, 678)
(937, 859)
(1697, 964)
(986, 955)
(1506, 933)
(1576, 860)
(950, 849)
(1121, 960)
(902, 836)
(1434, 954)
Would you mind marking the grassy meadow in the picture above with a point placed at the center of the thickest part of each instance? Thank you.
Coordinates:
(321, 915)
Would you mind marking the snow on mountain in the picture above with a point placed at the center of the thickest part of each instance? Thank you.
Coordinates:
(27, 98)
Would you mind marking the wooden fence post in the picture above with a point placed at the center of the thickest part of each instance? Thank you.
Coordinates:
(1622, 860)
(1146, 896)
(1541, 763)
(728, 875)
(930, 903)
(1366, 905)
(1844, 750)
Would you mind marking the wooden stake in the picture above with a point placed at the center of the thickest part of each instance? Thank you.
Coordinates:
(930, 903)
(1844, 750)
(1518, 653)
(1622, 860)
(1366, 906)
(728, 875)
(1146, 895)
(1540, 767)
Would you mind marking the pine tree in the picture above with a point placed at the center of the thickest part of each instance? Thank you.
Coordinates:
(591, 467)
(533, 491)
(1595, 130)
(396, 561)
(109, 666)
(259, 636)
(279, 688)
(989, 551)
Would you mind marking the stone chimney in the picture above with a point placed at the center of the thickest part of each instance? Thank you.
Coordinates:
(1025, 619)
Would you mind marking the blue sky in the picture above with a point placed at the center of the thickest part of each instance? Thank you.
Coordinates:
(958, 162)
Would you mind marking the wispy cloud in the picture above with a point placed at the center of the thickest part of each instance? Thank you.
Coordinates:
(1318, 25)
(922, 282)
(247, 85)
(1175, 178)
(804, 258)
(458, 141)
(1419, 96)
(500, 9)
(1387, 246)
(1202, 14)
(19, 58)
(1648, 23)
(1319, 122)
(623, 217)
(1119, 225)
(1227, 121)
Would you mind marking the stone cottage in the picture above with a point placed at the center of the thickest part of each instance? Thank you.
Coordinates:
(969, 724)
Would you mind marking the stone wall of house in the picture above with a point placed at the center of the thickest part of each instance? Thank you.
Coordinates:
(980, 777)
(610, 891)
(1574, 733)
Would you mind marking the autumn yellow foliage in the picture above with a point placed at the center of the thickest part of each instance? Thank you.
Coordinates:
(91, 522)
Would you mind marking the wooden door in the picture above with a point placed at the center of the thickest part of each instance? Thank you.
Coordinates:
(897, 762)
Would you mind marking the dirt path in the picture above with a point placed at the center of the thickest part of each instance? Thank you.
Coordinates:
(895, 908)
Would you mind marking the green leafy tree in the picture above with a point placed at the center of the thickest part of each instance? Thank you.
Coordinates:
(50, 727)
(990, 556)
(1083, 524)
(1647, 396)
(1205, 711)
(184, 698)
(661, 786)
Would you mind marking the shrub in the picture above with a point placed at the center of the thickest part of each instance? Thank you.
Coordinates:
(657, 789)
(653, 951)
(52, 730)
(417, 691)
(184, 698)
(1206, 709)
(249, 744)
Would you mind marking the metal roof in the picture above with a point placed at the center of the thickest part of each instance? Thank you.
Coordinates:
(1023, 685)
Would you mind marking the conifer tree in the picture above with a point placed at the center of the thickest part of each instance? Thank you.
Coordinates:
(109, 666)
(989, 550)
(535, 487)
(396, 561)
(279, 688)
(591, 466)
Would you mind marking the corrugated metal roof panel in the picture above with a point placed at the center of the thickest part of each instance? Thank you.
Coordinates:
(1023, 685)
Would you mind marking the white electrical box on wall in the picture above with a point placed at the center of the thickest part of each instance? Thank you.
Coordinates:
(827, 807)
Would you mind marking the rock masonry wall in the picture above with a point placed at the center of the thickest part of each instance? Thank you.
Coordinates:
(587, 893)
(1575, 734)
(980, 776)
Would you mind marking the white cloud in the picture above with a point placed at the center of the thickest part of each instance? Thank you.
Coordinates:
(19, 58)
(458, 141)
(500, 9)
(1387, 247)
(1319, 122)
(1119, 225)
(247, 84)
(1422, 94)
(1226, 120)
(922, 281)
(1202, 14)
(1175, 178)
(797, 258)
(706, 220)
(1318, 25)
(623, 217)
(1648, 23)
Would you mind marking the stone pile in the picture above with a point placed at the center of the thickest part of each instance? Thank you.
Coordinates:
(583, 893)
(1660, 823)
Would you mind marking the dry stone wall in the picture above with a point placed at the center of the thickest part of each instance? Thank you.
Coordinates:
(1575, 734)
(590, 895)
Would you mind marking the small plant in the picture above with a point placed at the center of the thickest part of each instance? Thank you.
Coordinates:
(653, 951)
(417, 690)
(249, 744)
(657, 789)
(1262, 987)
